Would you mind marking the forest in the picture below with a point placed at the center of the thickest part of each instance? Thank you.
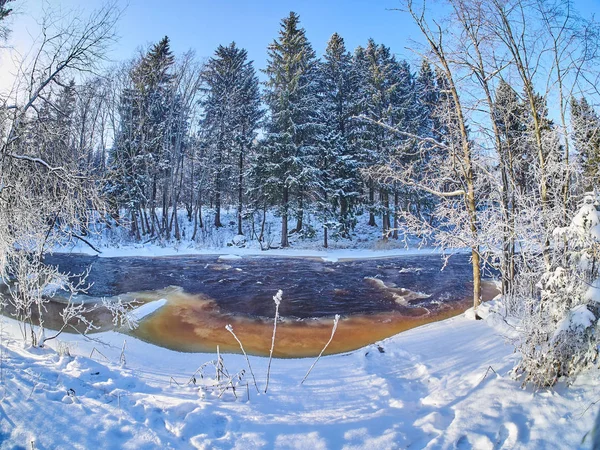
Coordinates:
(487, 140)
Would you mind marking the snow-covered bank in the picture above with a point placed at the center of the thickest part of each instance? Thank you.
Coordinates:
(431, 387)
(366, 242)
(229, 253)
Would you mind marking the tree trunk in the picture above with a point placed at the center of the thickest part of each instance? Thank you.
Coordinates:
(371, 204)
(240, 191)
(284, 218)
(218, 223)
(384, 195)
(344, 216)
(145, 214)
(134, 226)
(165, 208)
(153, 205)
(141, 215)
(300, 214)
(396, 207)
(262, 224)
(195, 213)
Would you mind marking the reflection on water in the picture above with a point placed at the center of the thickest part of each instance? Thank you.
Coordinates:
(377, 298)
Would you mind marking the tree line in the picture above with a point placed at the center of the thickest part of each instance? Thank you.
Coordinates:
(164, 133)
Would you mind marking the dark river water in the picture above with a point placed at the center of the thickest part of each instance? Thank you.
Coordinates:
(376, 297)
(311, 287)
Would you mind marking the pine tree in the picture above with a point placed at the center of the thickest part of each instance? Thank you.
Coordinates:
(406, 117)
(231, 115)
(558, 331)
(386, 97)
(141, 157)
(428, 124)
(340, 180)
(586, 137)
(509, 115)
(291, 138)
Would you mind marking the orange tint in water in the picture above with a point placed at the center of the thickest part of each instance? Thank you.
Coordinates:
(193, 323)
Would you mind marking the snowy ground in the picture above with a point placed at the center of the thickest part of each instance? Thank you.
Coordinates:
(430, 387)
(365, 241)
(443, 385)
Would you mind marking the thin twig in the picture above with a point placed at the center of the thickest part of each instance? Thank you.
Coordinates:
(230, 329)
(99, 352)
(122, 357)
(335, 324)
(488, 371)
(277, 300)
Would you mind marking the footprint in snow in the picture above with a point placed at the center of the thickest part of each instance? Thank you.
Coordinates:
(507, 436)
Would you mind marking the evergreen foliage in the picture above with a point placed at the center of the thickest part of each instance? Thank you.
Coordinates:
(586, 137)
(292, 133)
(232, 112)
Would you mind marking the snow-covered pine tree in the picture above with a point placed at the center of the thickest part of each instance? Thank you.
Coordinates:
(514, 161)
(62, 131)
(380, 90)
(406, 117)
(140, 161)
(365, 136)
(291, 140)
(510, 120)
(231, 115)
(558, 330)
(340, 180)
(585, 123)
(428, 94)
(155, 79)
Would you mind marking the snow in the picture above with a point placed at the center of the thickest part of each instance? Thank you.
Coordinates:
(229, 257)
(229, 253)
(366, 242)
(578, 317)
(443, 385)
(587, 216)
(593, 292)
(146, 309)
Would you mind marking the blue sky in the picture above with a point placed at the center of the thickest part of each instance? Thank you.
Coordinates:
(204, 24)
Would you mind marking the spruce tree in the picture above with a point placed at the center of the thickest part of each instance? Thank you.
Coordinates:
(386, 96)
(231, 115)
(428, 123)
(340, 181)
(586, 137)
(141, 156)
(292, 130)
(509, 113)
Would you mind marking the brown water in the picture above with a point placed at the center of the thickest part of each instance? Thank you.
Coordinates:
(193, 323)
(376, 299)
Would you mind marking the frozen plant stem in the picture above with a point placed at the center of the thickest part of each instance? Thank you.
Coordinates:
(335, 324)
(122, 357)
(277, 300)
(230, 329)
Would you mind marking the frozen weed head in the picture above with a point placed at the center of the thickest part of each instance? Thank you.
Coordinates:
(64, 349)
(277, 297)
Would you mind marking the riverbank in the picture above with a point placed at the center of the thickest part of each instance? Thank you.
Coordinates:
(442, 385)
(364, 241)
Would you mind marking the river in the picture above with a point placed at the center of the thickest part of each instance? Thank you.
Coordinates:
(376, 298)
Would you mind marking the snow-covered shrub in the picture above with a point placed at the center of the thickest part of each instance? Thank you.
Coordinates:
(121, 312)
(31, 285)
(558, 331)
